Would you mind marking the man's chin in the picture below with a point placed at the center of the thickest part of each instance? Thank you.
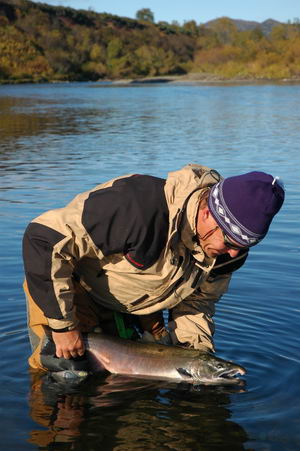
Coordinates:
(213, 254)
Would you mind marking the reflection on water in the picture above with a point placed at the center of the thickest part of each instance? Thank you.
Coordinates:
(14, 123)
(123, 414)
(23, 117)
(59, 140)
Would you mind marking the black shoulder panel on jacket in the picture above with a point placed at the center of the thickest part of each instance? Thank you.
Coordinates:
(226, 264)
(130, 217)
(38, 245)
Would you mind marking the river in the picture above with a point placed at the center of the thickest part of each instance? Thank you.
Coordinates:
(57, 140)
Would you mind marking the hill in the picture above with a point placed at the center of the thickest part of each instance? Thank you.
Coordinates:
(245, 25)
(42, 42)
(39, 42)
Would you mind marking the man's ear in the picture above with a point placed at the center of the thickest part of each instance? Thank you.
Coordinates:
(204, 214)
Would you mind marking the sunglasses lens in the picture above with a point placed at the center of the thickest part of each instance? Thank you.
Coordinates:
(230, 245)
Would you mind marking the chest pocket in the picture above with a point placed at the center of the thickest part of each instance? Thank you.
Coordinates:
(175, 282)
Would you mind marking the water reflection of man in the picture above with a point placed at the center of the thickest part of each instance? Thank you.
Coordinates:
(137, 245)
(123, 413)
(60, 414)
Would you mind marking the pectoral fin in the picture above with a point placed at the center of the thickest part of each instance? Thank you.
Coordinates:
(184, 372)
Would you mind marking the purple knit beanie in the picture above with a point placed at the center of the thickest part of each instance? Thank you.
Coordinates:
(244, 205)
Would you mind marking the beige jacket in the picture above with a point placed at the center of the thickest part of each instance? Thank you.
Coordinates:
(182, 278)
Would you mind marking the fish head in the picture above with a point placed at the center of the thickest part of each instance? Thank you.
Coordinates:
(214, 370)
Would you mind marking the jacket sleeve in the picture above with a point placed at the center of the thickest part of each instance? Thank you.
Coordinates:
(49, 259)
(192, 321)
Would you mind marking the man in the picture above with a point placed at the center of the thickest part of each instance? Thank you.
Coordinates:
(138, 245)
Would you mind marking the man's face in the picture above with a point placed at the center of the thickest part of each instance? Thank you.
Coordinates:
(211, 237)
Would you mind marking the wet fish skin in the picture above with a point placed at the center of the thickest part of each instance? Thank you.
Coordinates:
(151, 360)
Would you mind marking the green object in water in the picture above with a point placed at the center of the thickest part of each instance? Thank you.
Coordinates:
(124, 332)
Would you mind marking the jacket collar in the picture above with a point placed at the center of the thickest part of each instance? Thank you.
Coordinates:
(183, 190)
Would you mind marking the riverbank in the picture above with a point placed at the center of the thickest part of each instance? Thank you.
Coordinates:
(201, 78)
(190, 78)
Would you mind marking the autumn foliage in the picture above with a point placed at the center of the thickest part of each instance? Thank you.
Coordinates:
(229, 53)
(39, 42)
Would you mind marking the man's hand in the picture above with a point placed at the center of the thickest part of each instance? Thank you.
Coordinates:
(68, 344)
(164, 339)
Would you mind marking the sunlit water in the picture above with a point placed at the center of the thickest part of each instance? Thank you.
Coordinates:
(58, 140)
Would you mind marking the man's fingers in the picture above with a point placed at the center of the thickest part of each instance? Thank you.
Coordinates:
(66, 354)
(59, 353)
(68, 344)
(63, 353)
(77, 353)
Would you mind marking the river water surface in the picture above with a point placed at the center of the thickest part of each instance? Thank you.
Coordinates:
(58, 140)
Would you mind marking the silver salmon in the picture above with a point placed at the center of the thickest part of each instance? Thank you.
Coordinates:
(151, 360)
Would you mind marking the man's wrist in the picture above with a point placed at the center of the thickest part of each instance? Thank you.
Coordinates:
(68, 323)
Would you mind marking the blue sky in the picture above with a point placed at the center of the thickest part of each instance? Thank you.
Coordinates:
(199, 10)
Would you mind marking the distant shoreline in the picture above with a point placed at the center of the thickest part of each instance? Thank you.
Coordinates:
(188, 79)
(201, 78)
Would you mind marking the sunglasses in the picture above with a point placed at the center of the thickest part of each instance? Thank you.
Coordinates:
(228, 243)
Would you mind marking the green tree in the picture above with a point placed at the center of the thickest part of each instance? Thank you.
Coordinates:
(225, 30)
(191, 27)
(145, 14)
(96, 52)
(114, 48)
(279, 32)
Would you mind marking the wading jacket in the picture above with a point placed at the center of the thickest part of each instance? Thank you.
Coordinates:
(132, 243)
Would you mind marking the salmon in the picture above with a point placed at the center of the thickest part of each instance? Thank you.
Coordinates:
(155, 361)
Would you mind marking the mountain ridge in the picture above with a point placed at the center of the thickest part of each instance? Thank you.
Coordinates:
(247, 25)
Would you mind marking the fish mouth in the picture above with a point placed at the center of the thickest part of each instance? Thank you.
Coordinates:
(232, 373)
(226, 377)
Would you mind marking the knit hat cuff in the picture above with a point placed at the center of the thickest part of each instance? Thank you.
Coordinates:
(227, 221)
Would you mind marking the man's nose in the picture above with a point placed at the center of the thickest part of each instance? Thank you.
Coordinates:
(233, 252)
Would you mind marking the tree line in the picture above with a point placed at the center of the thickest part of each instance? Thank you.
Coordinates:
(39, 42)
